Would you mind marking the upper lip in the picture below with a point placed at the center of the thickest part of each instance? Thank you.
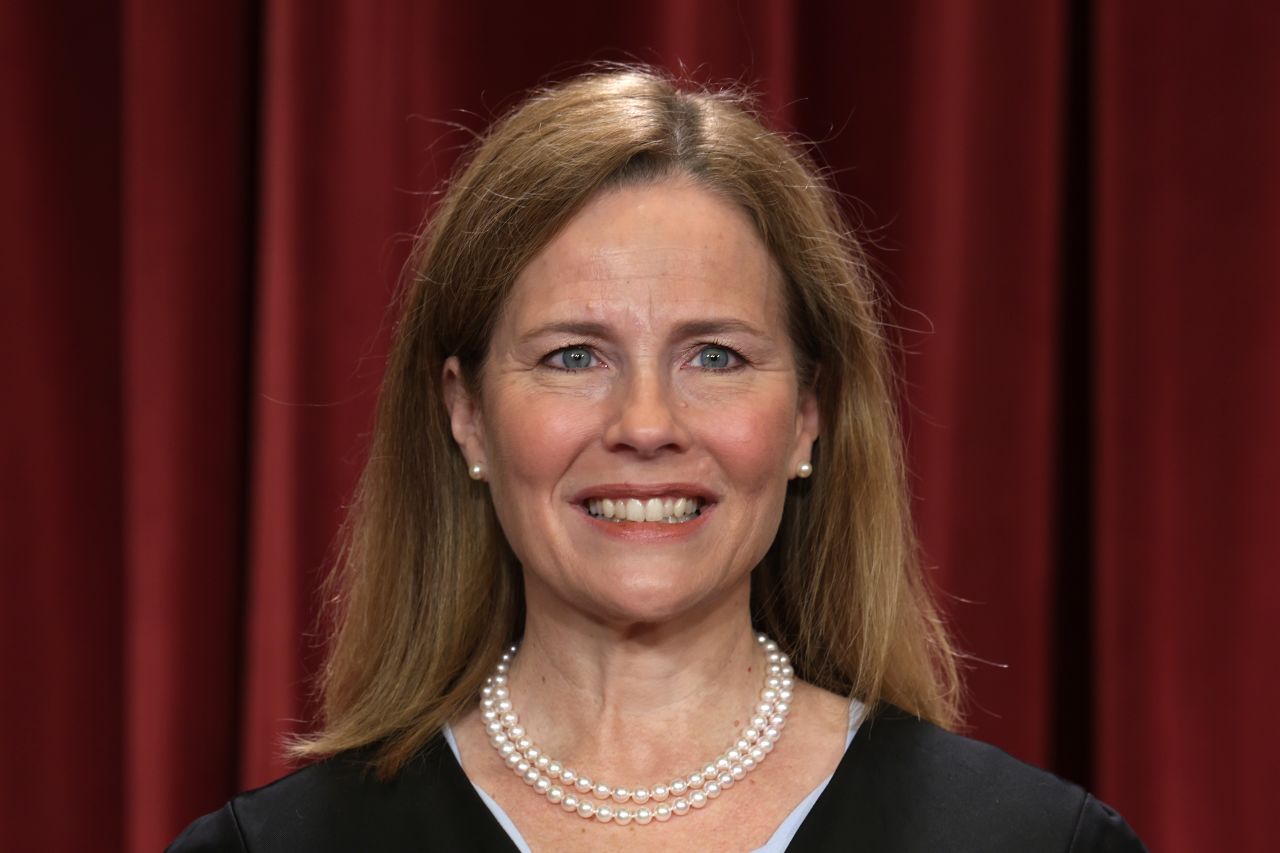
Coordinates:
(613, 491)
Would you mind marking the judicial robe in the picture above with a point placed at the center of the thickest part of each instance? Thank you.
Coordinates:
(903, 785)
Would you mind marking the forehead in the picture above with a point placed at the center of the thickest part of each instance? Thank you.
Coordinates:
(648, 253)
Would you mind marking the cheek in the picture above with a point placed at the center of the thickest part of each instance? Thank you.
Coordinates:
(532, 440)
(752, 442)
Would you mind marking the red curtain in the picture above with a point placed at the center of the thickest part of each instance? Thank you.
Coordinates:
(205, 209)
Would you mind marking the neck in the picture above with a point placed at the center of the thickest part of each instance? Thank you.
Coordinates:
(636, 700)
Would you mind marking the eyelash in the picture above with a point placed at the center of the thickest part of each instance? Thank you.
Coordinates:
(739, 360)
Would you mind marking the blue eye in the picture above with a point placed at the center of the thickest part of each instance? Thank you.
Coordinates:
(715, 358)
(575, 358)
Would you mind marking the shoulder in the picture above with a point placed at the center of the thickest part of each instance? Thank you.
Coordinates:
(341, 804)
(913, 786)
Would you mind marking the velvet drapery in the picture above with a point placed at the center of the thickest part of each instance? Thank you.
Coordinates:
(205, 208)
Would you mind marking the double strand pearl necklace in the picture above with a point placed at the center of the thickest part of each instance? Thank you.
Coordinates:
(574, 791)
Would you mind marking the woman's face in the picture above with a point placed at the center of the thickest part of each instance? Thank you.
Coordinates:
(640, 411)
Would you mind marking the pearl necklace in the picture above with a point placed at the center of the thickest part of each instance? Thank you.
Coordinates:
(572, 791)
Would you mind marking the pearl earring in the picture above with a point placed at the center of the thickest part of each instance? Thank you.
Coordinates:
(477, 471)
(804, 469)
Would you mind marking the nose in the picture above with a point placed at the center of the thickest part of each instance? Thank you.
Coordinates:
(645, 417)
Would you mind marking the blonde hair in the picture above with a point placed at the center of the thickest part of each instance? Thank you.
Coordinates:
(427, 591)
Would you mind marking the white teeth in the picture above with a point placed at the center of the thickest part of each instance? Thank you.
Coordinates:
(653, 510)
(667, 510)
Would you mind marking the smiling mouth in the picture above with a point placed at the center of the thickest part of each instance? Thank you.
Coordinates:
(664, 510)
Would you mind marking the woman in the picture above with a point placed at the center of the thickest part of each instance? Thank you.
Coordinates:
(637, 420)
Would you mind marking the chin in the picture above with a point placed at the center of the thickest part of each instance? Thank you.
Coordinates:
(647, 600)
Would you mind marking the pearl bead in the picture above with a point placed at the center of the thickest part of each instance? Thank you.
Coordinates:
(538, 769)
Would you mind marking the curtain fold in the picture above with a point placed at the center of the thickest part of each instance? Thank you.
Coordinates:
(205, 211)
(186, 242)
(1188, 417)
(61, 515)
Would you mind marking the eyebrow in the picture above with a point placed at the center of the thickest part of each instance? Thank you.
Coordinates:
(688, 329)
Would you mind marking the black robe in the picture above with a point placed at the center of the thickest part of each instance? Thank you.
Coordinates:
(903, 785)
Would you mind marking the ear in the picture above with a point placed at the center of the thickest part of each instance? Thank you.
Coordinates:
(808, 424)
(464, 413)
